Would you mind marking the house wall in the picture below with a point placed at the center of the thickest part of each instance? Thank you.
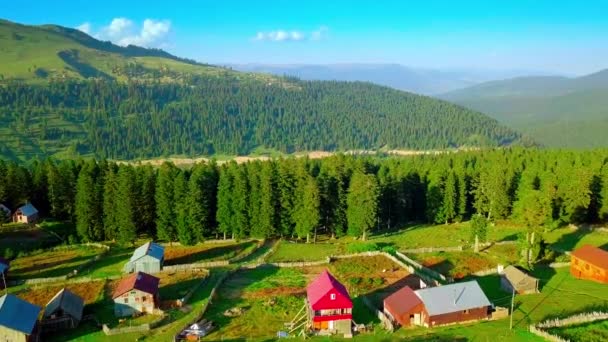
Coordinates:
(137, 302)
(341, 326)
(456, 317)
(147, 264)
(17, 217)
(583, 270)
(10, 335)
(403, 318)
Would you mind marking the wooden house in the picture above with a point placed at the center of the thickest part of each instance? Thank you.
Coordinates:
(514, 279)
(136, 294)
(590, 263)
(148, 258)
(404, 307)
(26, 214)
(18, 319)
(330, 309)
(453, 303)
(63, 311)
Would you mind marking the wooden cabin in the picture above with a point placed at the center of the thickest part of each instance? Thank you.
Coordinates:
(591, 263)
(18, 319)
(453, 303)
(514, 279)
(404, 307)
(26, 214)
(63, 311)
(330, 308)
(148, 258)
(136, 294)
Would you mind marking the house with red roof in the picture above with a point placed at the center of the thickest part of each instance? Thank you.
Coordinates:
(404, 307)
(589, 262)
(330, 309)
(138, 293)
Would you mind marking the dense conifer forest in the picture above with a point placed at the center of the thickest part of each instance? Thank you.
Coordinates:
(223, 115)
(298, 197)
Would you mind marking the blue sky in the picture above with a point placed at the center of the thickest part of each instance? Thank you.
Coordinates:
(560, 36)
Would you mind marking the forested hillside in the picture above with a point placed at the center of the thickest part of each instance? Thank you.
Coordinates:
(297, 197)
(228, 116)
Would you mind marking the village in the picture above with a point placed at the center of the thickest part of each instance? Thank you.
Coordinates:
(261, 289)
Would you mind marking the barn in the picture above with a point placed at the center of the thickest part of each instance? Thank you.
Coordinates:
(514, 279)
(330, 309)
(63, 311)
(591, 263)
(404, 307)
(18, 319)
(453, 303)
(148, 258)
(135, 294)
(26, 214)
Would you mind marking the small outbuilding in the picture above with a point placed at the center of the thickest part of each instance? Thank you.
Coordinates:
(136, 294)
(589, 262)
(18, 319)
(63, 311)
(330, 308)
(514, 279)
(404, 307)
(148, 258)
(26, 214)
(453, 303)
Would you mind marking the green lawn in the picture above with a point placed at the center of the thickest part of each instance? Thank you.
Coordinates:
(111, 264)
(569, 239)
(288, 251)
(587, 332)
(205, 252)
(52, 263)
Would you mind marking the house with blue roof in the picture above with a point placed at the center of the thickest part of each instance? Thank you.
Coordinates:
(18, 319)
(148, 258)
(26, 214)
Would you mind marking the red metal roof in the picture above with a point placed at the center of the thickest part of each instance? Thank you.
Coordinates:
(320, 292)
(592, 255)
(402, 301)
(137, 281)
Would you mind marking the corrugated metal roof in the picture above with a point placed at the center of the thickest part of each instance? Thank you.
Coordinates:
(451, 298)
(516, 276)
(139, 281)
(592, 255)
(149, 248)
(17, 314)
(66, 300)
(28, 210)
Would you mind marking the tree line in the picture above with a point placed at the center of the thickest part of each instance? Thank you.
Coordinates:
(298, 197)
(225, 115)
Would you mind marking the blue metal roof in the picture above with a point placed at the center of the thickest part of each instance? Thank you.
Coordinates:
(150, 248)
(451, 298)
(28, 210)
(3, 267)
(17, 314)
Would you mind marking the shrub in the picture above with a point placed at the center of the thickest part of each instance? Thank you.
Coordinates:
(355, 281)
(389, 249)
(360, 247)
(9, 254)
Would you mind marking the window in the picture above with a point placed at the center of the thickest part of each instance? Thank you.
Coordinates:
(466, 311)
(332, 296)
(126, 300)
(143, 299)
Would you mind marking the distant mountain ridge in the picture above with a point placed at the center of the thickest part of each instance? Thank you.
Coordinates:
(557, 111)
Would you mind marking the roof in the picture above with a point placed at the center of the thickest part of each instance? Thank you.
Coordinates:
(137, 281)
(66, 300)
(593, 255)
(451, 298)
(324, 283)
(4, 265)
(17, 314)
(28, 210)
(149, 248)
(516, 276)
(402, 301)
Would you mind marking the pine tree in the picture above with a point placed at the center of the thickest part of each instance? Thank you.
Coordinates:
(306, 212)
(286, 190)
(240, 201)
(110, 193)
(126, 205)
(185, 234)
(603, 210)
(362, 203)
(202, 190)
(268, 201)
(224, 201)
(450, 197)
(86, 202)
(165, 204)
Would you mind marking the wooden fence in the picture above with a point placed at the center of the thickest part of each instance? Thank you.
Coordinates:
(196, 266)
(135, 328)
(538, 329)
(422, 270)
(432, 250)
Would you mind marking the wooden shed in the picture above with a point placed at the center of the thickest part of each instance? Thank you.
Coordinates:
(589, 262)
(18, 319)
(404, 307)
(453, 303)
(26, 214)
(138, 293)
(512, 278)
(330, 309)
(63, 311)
(148, 258)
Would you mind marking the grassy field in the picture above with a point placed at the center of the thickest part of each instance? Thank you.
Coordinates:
(587, 332)
(91, 292)
(51, 263)
(204, 252)
(111, 264)
(288, 251)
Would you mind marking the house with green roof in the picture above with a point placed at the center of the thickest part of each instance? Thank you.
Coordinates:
(148, 258)
(18, 319)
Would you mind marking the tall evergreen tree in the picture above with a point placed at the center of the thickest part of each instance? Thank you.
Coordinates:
(165, 203)
(110, 192)
(224, 202)
(306, 212)
(185, 233)
(362, 204)
(126, 205)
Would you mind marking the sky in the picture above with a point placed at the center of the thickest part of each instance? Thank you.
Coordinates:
(561, 36)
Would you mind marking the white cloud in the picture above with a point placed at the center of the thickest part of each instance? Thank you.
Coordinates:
(294, 35)
(85, 27)
(123, 31)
